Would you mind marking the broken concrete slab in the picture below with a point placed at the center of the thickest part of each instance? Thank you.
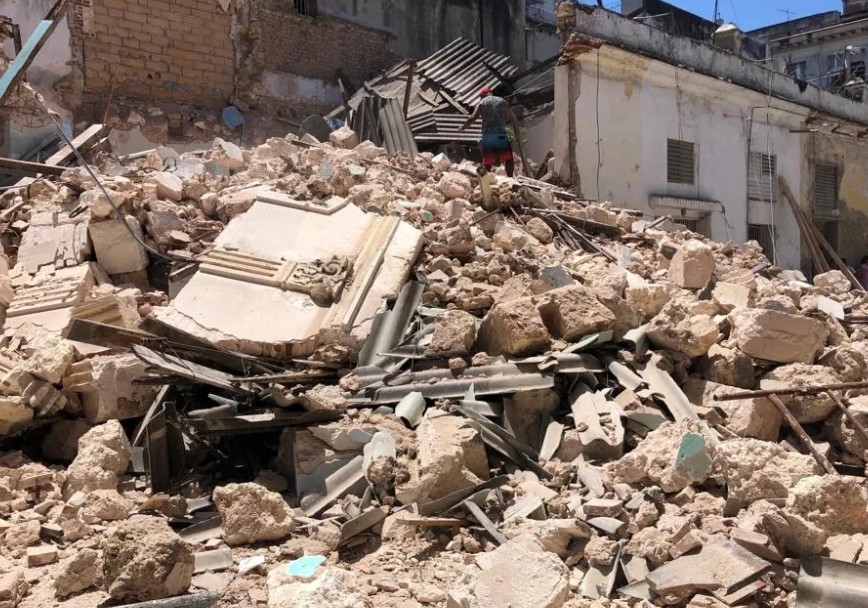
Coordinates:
(454, 334)
(118, 249)
(757, 470)
(721, 565)
(776, 336)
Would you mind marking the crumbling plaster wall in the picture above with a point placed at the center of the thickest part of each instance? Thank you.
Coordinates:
(47, 71)
(640, 103)
(848, 154)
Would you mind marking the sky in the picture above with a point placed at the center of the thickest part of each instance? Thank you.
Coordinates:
(751, 14)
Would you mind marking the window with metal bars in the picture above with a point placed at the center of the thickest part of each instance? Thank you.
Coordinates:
(764, 235)
(825, 188)
(699, 225)
(762, 177)
(305, 7)
(680, 162)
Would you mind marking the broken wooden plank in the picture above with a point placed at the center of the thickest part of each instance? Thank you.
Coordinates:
(29, 167)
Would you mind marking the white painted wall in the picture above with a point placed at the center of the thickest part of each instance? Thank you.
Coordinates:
(640, 104)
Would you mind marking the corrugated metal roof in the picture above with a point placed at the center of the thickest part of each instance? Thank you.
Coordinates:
(459, 67)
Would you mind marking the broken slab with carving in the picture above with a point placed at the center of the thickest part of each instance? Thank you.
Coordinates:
(329, 272)
(49, 303)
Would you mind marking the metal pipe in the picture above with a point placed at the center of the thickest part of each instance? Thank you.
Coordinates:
(812, 390)
(850, 415)
(802, 435)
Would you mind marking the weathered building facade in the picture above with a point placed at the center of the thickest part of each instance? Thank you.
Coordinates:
(827, 49)
(672, 126)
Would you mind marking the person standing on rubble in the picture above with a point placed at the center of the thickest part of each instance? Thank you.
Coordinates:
(495, 145)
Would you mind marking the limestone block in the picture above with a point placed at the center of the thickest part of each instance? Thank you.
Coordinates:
(776, 336)
(513, 328)
(574, 312)
(117, 251)
(692, 265)
(454, 334)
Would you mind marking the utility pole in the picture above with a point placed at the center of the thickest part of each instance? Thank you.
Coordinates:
(716, 11)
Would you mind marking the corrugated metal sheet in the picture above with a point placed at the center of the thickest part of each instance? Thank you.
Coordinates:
(396, 132)
(459, 67)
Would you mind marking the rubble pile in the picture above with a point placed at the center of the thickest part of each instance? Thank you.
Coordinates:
(311, 374)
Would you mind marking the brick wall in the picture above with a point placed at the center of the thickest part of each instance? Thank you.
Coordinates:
(169, 50)
(320, 47)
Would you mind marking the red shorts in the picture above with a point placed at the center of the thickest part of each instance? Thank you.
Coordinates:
(495, 149)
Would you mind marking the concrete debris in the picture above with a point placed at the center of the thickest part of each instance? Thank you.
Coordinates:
(653, 460)
(760, 470)
(79, 572)
(454, 334)
(497, 414)
(692, 265)
(143, 559)
(675, 328)
(103, 455)
(250, 513)
(521, 574)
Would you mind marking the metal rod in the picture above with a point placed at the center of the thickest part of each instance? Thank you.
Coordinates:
(802, 435)
(811, 390)
(850, 415)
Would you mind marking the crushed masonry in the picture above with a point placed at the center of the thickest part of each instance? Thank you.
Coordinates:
(278, 375)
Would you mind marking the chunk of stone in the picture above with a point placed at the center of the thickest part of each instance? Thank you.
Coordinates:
(79, 572)
(730, 296)
(520, 574)
(451, 456)
(41, 556)
(117, 249)
(728, 366)
(100, 205)
(325, 397)
(21, 536)
(14, 416)
(601, 551)
(796, 536)
(454, 185)
(574, 312)
(652, 462)
(555, 535)
(13, 588)
(836, 503)
(454, 334)
(103, 454)
(757, 418)
(806, 409)
(692, 265)
(756, 470)
(143, 559)
(677, 329)
(328, 586)
(61, 443)
(107, 505)
(833, 282)
(777, 336)
(647, 299)
(51, 361)
(168, 185)
(250, 514)
(540, 230)
(344, 138)
(513, 328)
(849, 363)
(844, 433)
(228, 155)
(113, 392)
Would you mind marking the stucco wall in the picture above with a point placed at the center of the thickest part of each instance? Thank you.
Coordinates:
(641, 103)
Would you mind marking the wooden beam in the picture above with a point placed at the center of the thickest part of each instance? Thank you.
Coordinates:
(411, 71)
(29, 167)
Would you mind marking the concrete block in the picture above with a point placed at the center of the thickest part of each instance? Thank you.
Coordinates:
(41, 556)
(692, 265)
(168, 185)
(118, 251)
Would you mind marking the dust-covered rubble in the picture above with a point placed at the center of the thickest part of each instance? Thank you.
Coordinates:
(488, 397)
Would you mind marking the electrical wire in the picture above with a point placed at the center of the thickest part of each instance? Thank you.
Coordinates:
(599, 139)
(93, 176)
